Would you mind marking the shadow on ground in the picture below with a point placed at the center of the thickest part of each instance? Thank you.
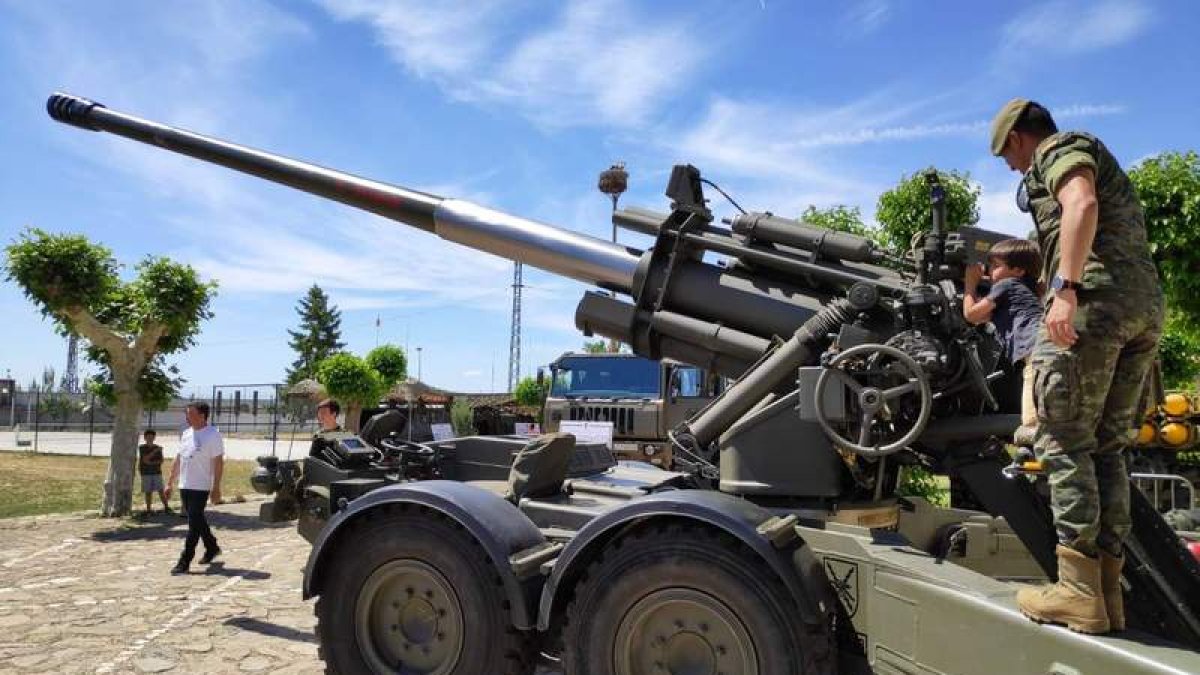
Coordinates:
(218, 569)
(174, 526)
(272, 629)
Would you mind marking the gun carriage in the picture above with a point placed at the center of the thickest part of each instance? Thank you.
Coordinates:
(779, 544)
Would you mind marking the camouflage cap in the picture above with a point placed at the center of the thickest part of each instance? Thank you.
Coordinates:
(1003, 122)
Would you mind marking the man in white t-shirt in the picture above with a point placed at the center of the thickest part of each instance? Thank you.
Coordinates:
(198, 466)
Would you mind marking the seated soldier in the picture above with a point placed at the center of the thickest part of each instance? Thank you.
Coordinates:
(327, 413)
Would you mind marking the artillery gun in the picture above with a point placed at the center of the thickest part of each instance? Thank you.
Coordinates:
(780, 546)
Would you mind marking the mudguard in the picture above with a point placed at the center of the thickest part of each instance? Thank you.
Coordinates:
(796, 566)
(496, 524)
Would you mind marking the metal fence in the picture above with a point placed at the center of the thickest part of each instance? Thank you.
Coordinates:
(261, 412)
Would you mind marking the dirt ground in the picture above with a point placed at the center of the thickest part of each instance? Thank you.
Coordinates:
(81, 594)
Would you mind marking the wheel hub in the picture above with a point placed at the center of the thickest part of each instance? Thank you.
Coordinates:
(689, 654)
(679, 631)
(871, 400)
(408, 618)
(418, 621)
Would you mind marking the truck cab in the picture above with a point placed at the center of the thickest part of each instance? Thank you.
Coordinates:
(642, 398)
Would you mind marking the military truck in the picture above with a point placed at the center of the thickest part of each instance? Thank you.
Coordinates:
(782, 547)
(643, 399)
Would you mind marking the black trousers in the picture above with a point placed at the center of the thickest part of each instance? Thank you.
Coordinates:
(193, 508)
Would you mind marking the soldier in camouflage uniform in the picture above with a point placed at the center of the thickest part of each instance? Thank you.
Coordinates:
(1103, 320)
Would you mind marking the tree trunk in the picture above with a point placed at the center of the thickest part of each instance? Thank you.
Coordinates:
(118, 486)
(353, 414)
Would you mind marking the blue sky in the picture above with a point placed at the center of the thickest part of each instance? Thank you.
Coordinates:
(518, 105)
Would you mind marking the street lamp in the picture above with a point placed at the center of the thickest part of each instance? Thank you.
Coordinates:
(613, 182)
(419, 364)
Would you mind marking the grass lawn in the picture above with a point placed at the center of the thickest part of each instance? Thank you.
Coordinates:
(34, 484)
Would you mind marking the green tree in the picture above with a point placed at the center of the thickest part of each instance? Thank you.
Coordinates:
(319, 335)
(904, 210)
(55, 406)
(462, 418)
(390, 362)
(839, 218)
(159, 383)
(1179, 353)
(352, 382)
(595, 347)
(530, 392)
(129, 325)
(1168, 186)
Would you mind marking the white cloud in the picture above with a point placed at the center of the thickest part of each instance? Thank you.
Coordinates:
(866, 16)
(778, 147)
(232, 227)
(434, 41)
(786, 157)
(596, 61)
(1074, 27)
(1087, 110)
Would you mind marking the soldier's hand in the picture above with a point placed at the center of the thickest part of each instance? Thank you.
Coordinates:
(1060, 319)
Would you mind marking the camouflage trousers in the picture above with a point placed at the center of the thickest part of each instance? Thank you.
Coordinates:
(1087, 399)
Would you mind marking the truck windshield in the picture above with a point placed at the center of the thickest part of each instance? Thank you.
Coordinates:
(603, 377)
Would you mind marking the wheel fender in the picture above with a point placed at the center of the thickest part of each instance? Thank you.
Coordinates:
(496, 524)
(795, 565)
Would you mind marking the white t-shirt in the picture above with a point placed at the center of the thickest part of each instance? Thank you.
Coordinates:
(197, 449)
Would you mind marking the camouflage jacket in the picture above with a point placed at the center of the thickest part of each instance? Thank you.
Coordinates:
(1120, 254)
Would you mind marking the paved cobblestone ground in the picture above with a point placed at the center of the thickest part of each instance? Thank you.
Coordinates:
(87, 595)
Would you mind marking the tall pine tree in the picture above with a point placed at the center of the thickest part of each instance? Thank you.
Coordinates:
(319, 334)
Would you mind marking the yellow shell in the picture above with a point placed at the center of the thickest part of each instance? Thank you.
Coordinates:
(1175, 404)
(1175, 434)
(1146, 434)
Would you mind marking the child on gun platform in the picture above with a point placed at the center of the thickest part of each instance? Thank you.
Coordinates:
(1014, 306)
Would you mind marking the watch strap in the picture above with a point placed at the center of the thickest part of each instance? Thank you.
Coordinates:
(1062, 284)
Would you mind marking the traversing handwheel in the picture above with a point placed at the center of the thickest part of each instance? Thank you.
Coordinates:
(890, 400)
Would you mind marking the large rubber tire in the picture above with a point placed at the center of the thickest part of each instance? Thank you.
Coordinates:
(682, 599)
(410, 591)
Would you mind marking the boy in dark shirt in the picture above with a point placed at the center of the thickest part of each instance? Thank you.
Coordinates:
(1014, 307)
(150, 459)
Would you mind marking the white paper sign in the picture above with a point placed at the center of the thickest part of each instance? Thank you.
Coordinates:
(527, 429)
(589, 432)
(442, 431)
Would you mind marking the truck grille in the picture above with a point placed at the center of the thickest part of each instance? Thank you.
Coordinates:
(622, 418)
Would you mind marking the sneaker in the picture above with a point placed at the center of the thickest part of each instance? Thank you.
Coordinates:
(210, 556)
(180, 568)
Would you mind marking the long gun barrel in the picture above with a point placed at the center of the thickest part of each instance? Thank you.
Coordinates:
(685, 309)
(553, 249)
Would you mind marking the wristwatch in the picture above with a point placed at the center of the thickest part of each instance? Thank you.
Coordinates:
(1060, 284)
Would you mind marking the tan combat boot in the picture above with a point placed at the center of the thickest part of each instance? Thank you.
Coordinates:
(1076, 600)
(1110, 582)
